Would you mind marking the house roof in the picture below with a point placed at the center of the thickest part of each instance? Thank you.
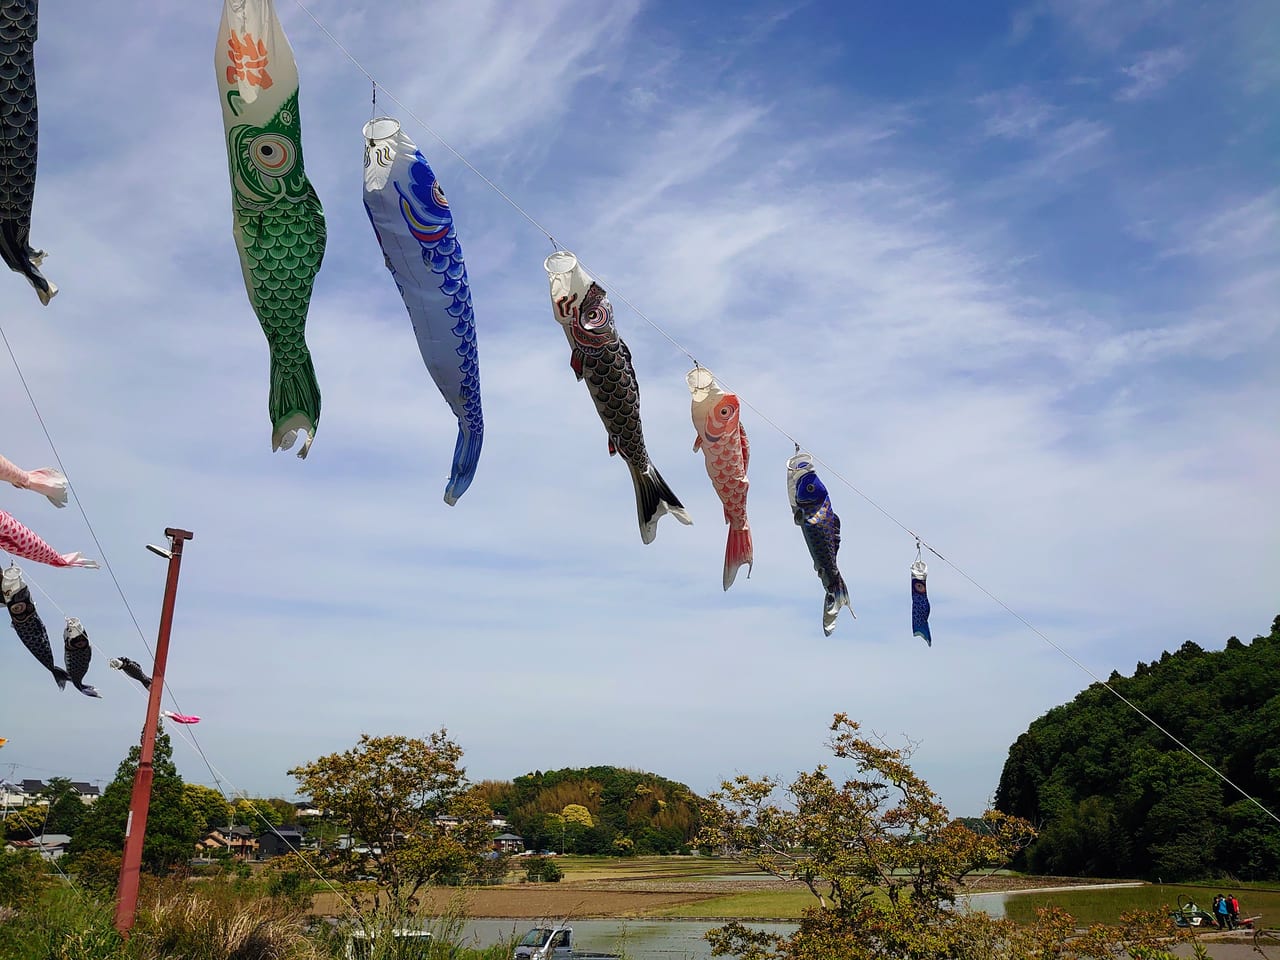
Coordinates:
(85, 788)
(32, 786)
(508, 836)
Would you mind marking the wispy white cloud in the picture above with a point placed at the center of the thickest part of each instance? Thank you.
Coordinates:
(1013, 114)
(1151, 72)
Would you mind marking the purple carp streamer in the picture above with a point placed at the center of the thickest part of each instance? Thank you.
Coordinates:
(599, 356)
(811, 509)
(19, 141)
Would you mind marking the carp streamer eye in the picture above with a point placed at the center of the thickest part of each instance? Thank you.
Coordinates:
(273, 155)
(726, 412)
(597, 317)
(809, 487)
(437, 194)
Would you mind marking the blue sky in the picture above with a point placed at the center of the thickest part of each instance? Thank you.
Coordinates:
(1010, 270)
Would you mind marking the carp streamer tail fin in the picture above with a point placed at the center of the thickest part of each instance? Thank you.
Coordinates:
(837, 598)
(737, 551)
(653, 499)
(294, 403)
(466, 457)
(19, 257)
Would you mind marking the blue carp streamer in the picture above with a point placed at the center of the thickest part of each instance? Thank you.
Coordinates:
(414, 226)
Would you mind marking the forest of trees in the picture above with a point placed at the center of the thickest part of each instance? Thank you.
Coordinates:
(604, 810)
(1113, 796)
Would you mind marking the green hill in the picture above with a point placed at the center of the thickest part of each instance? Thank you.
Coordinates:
(602, 810)
(1115, 797)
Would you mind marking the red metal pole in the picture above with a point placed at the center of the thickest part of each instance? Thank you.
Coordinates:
(135, 829)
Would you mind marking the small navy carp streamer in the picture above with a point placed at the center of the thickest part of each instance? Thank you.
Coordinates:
(920, 602)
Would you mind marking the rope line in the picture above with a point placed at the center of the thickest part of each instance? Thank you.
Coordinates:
(187, 735)
(102, 552)
(920, 541)
(426, 126)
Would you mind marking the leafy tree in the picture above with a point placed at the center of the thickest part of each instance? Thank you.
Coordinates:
(171, 829)
(390, 791)
(25, 824)
(258, 813)
(66, 809)
(577, 814)
(209, 808)
(1116, 797)
(878, 851)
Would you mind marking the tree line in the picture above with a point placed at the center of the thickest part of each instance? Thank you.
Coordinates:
(1113, 796)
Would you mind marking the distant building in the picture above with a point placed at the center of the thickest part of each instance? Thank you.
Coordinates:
(238, 841)
(282, 840)
(508, 843)
(50, 846)
(27, 792)
(12, 795)
(88, 791)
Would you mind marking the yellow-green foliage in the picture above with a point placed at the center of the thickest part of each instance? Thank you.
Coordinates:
(577, 813)
(553, 799)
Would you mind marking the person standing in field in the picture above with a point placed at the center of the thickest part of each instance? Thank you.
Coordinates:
(1220, 911)
(1233, 907)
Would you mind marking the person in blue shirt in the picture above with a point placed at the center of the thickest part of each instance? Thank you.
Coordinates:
(1221, 910)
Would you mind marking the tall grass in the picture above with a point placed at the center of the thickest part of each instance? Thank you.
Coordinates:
(213, 924)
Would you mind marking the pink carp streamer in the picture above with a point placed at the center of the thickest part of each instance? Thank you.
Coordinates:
(180, 717)
(46, 480)
(18, 539)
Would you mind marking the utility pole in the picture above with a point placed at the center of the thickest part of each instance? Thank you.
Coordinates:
(135, 829)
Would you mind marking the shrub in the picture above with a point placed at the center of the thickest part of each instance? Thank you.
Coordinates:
(542, 869)
(21, 877)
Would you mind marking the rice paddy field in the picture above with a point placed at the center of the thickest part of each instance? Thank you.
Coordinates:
(702, 888)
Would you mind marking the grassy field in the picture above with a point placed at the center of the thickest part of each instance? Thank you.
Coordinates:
(1105, 906)
(753, 904)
